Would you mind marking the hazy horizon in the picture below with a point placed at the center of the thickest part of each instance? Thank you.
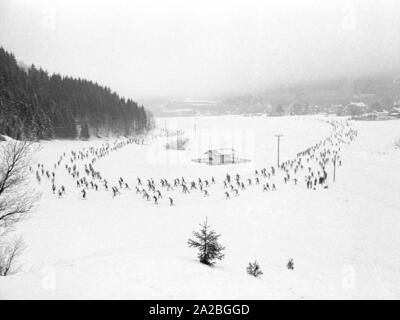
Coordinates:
(153, 49)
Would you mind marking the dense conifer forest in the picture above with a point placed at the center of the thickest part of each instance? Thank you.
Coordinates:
(36, 105)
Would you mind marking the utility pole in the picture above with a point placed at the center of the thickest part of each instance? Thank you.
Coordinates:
(196, 143)
(334, 168)
(210, 158)
(167, 134)
(279, 138)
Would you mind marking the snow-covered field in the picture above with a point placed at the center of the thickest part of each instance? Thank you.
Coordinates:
(344, 240)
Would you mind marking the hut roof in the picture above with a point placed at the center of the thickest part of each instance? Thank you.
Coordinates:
(221, 151)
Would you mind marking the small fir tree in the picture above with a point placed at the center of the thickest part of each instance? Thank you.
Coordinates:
(206, 241)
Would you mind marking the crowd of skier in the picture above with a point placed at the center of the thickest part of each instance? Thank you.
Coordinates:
(80, 165)
(308, 166)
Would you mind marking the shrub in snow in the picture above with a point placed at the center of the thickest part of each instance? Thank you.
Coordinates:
(253, 269)
(290, 264)
(206, 241)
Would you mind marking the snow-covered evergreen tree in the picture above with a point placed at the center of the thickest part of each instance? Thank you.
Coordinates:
(206, 241)
(37, 105)
(85, 131)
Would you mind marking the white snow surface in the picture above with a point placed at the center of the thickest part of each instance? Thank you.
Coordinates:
(344, 240)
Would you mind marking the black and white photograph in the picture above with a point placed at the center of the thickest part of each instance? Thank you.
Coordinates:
(199, 150)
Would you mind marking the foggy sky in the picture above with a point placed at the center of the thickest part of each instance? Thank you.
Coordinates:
(144, 49)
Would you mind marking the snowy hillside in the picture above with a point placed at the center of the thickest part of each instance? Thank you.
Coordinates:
(343, 238)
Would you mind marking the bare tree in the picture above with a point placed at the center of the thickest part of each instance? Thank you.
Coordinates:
(16, 197)
(9, 255)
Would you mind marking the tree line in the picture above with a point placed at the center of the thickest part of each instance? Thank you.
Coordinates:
(36, 105)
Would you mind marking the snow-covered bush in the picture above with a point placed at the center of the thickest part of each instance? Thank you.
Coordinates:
(206, 241)
(290, 264)
(254, 269)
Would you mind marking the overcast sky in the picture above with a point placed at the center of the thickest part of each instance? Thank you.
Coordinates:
(187, 48)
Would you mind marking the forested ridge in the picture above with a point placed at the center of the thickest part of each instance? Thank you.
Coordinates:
(36, 105)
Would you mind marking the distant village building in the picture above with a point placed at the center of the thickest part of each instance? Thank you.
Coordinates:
(395, 112)
(391, 114)
(355, 108)
(335, 109)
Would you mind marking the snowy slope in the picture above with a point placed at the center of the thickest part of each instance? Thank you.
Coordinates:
(344, 239)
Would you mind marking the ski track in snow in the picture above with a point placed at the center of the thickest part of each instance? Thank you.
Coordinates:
(344, 239)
